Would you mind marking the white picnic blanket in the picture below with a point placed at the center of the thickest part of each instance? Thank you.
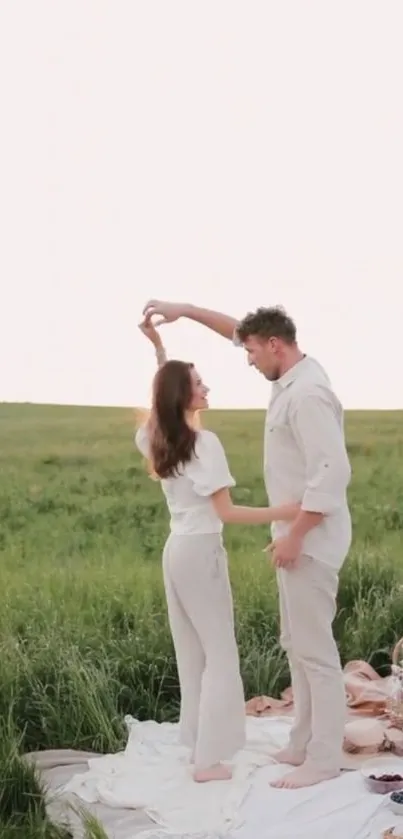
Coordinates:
(146, 792)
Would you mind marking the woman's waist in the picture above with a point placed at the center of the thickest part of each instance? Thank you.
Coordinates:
(210, 541)
(190, 528)
(194, 520)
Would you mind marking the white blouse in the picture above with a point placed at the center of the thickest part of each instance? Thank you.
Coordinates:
(188, 494)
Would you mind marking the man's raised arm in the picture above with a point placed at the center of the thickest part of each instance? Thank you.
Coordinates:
(168, 312)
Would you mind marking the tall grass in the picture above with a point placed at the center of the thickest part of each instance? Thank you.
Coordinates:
(84, 638)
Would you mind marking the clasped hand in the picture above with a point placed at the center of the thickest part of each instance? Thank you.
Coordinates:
(285, 551)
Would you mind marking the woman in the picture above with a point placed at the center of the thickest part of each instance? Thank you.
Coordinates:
(195, 479)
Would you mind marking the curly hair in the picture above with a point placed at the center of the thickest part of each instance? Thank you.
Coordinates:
(272, 322)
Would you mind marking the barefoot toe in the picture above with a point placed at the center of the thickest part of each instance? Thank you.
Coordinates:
(303, 776)
(213, 773)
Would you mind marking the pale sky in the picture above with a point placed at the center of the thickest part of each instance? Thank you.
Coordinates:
(232, 154)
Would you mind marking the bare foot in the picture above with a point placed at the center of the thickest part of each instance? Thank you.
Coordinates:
(213, 773)
(304, 776)
(289, 756)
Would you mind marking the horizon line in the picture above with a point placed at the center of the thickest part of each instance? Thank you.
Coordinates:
(23, 403)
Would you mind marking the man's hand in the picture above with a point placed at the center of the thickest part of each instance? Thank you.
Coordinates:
(286, 551)
(168, 312)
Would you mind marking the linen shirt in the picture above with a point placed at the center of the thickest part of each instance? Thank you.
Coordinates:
(305, 458)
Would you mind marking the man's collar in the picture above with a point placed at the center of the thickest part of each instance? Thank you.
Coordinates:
(293, 372)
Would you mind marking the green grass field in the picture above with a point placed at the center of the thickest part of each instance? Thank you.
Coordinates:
(83, 628)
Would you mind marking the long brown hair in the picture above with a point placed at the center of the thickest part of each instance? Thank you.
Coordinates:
(172, 440)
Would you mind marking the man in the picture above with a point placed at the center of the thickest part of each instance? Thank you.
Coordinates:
(305, 460)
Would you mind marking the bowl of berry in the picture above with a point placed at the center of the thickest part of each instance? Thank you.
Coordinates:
(396, 802)
(383, 776)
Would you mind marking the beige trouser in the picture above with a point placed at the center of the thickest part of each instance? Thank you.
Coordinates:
(307, 595)
(200, 611)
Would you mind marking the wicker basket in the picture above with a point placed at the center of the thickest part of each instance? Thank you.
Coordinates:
(394, 705)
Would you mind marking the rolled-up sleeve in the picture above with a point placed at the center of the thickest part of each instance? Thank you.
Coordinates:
(236, 339)
(318, 428)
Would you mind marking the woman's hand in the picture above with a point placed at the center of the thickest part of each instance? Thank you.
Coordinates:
(289, 512)
(148, 329)
(286, 512)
